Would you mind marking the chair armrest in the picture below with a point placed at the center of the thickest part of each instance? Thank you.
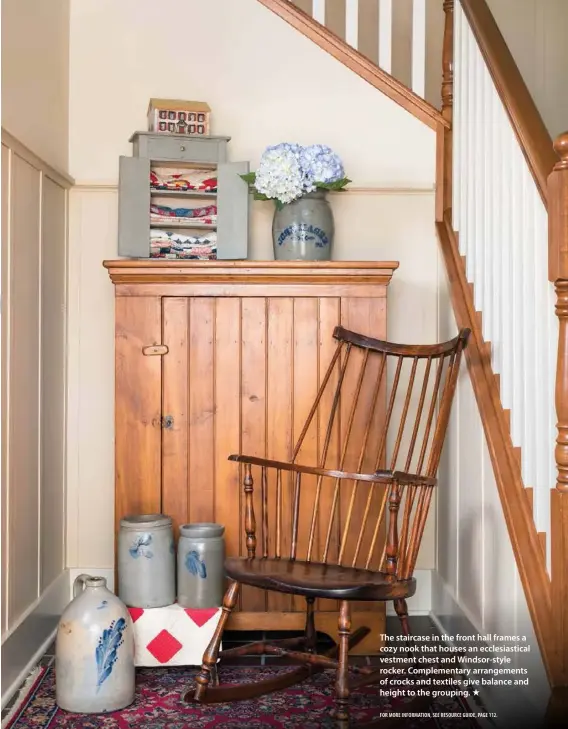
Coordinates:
(413, 479)
(381, 477)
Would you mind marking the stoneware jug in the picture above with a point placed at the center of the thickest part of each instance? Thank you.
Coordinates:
(200, 567)
(146, 561)
(94, 651)
(303, 230)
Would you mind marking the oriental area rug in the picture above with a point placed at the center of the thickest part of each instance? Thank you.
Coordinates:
(308, 705)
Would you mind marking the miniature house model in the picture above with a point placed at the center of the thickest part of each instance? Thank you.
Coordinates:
(179, 117)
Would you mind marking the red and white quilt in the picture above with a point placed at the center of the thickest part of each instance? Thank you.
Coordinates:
(172, 635)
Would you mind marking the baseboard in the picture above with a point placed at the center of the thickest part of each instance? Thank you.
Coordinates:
(512, 706)
(23, 648)
(107, 573)
(421, 602)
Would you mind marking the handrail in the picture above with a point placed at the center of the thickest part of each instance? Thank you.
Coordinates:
(357, 62)
(529, 128)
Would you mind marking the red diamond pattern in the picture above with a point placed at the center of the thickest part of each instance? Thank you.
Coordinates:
(135, 613)
(164, 646)
(200, 617)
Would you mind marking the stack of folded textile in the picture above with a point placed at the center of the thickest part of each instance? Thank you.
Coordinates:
(163, 215)
(169, 244)
(198, 180)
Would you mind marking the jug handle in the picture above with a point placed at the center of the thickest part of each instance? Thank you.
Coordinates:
(79, 584)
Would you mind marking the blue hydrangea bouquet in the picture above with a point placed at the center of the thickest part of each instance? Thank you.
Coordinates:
(288, 171)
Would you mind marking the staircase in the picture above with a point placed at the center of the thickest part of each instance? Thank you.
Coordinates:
(502, 223)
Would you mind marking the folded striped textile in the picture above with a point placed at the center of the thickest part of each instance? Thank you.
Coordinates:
(199, 180)
(169, 244)
(161, 220)
(163, 211)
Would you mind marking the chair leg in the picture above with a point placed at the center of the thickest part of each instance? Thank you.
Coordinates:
(342, 681)
(310, 632)
(209, 666)
(401, 610)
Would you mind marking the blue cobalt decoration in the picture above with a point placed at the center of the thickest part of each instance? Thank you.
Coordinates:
(200, 565)
(195, 564)
(146, 561)
(94, 653)
(107, 648)
(141, 547)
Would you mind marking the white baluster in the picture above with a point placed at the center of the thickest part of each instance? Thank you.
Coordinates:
(479, 182)
(419, 47)
(518, 305)
(457, 123)
(385, 35)
(318, 11)
(469, 172)
(352, 22)
(488, 209)
(533, 383)
(502, 225)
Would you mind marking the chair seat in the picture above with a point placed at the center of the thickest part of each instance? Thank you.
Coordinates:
(313, 579)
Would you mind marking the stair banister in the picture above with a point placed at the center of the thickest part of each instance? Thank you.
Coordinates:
(493, 213)
(558, 274)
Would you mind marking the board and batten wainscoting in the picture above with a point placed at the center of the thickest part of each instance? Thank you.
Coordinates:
(35, 582)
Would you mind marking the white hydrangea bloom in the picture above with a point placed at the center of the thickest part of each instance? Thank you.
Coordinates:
(279, 175)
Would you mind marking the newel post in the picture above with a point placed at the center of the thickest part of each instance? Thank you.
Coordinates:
(558, 274)
(444, 134)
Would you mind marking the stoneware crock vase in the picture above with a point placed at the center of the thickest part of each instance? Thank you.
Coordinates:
(303, 230)
(94, 651)
(146, 561)
(200, 566)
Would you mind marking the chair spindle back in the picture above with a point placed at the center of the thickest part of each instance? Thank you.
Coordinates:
(382, 411)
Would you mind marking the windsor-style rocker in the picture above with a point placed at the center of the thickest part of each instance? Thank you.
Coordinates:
(342, 553)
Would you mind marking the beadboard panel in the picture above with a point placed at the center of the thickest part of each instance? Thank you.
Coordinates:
(33, 373)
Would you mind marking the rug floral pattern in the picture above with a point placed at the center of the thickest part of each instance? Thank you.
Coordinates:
(157, 705)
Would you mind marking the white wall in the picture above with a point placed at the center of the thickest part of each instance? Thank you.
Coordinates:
(265, 83)
(35, 76)
(401, 37)
(476, 586)
(536, 32)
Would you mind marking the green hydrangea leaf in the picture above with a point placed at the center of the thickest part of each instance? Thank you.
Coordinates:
(249, 178)
(337, 185)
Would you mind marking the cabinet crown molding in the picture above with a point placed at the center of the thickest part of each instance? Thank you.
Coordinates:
(126, 271)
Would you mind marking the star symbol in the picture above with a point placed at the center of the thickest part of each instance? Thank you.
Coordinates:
(476, 692)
